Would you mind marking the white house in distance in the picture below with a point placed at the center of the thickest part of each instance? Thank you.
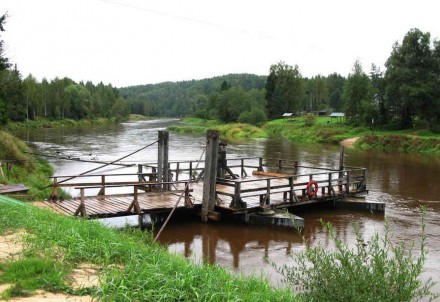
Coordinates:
(338, 115)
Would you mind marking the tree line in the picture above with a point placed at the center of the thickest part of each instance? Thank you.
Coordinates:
(27, 99)
(408, 91)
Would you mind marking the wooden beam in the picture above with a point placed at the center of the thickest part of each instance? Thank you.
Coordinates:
(210, 174)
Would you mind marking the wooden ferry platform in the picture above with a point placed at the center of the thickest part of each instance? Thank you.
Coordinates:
(213, 187)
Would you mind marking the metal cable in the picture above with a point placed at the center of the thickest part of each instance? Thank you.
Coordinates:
(180, 198)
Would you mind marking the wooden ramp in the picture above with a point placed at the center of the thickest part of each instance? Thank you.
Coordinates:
(118, 205)
(13, 189)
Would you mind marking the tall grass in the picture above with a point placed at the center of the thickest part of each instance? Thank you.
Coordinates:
(402, 143)
(375, 270)
(21, 167)
(48, 123)
(134, 268)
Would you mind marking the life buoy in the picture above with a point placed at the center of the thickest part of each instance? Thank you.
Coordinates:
(312, 188)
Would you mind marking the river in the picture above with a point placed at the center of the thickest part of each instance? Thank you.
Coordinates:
(404, 181)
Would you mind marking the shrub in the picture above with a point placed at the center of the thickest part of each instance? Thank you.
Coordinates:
(435, 128)
(254, 117)
(375, 270)
(309, 120)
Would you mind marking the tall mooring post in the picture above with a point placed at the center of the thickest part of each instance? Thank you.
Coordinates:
(341, 167)
(163, 174)
(210, 174)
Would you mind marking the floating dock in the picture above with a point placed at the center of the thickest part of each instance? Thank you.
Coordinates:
(216, 186)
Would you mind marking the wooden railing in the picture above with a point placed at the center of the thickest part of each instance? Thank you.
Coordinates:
(349, 181)
(102, 183)
(134, 205)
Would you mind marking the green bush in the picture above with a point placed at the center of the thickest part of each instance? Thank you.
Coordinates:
(435, 128)
(309, 120)
(375, 270)
(254, 117)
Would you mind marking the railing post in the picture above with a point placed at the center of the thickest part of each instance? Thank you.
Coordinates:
(102, 190)
(268, 191)
(190, 170)
(341, 167)
(280, 165)
(82, 207)
(295, 169)
(290, 188)
(177, 171)
(54, 195)
(188, 202)
(237, 193)
(260, 164)
(140, 170)
(242, 168)
(135, 203)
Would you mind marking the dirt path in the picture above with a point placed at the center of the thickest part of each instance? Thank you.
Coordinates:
(349, 142)
(85, 275)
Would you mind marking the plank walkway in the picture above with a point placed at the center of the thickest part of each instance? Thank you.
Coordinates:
(13, 189)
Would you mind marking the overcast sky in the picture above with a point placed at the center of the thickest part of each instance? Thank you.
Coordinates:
(129, 42)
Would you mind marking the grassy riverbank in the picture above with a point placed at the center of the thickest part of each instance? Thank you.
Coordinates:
(17, 166)
(46, 123)
(130, 266)
(323, 130)
(229, 131)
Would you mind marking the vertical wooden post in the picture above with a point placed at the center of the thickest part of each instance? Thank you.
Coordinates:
(82, 207)
(210, 174)
(237, 193)
(280, 165)
(177, 171)
(260, 164)
(140, 170)
(341, 167)
(54, 195)
(290, 189)
(135, 203)
(166, 166)
(162, 159)
(268, 191)
(295, 169)
(102, 190)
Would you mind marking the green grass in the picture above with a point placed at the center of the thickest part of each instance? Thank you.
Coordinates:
(134, 268)
(29, 274)
(323, 131)
(401, 143)
(24, 168)
(227, 131)
(48, 123)
(375, 269)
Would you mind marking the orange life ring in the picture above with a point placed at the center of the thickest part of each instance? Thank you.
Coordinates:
(312, 188)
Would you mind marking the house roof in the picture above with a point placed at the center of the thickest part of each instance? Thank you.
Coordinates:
(337, 114)
(287, 114)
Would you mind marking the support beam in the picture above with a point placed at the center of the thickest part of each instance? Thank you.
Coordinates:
(163, 174)
(341, 167)
(210, 173)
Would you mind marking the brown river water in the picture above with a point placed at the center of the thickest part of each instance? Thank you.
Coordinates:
(404, 181)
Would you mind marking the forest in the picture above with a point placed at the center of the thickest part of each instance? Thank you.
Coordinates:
(407, 92)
